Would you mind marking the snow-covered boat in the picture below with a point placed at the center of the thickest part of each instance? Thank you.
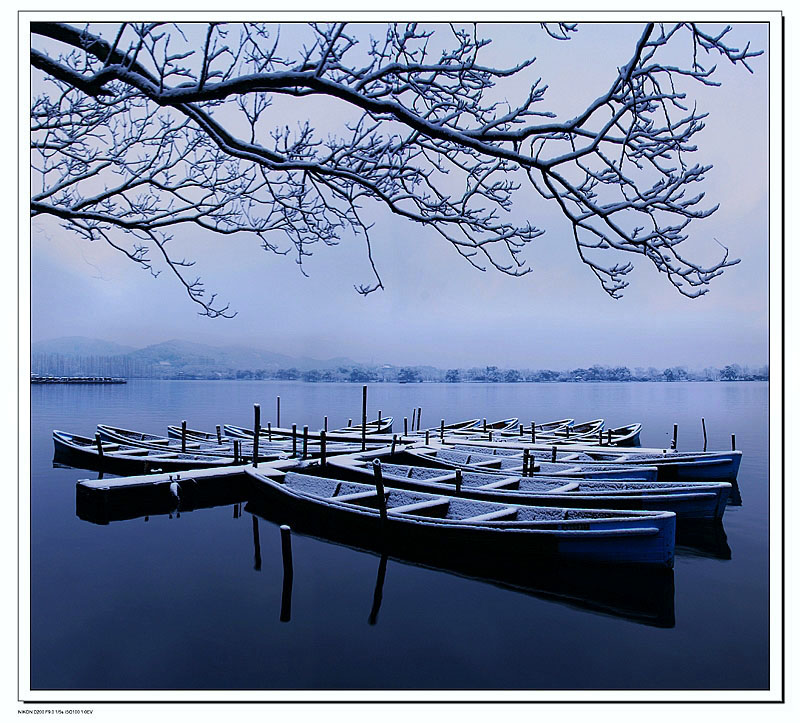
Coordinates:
(446, 456)
(699, 500)
(474, 526)
(82, 452)
(671, 464)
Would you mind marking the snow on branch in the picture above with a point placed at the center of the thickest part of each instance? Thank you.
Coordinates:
(163, 127)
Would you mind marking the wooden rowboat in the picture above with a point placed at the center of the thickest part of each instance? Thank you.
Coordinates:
(449, 457)
(671, 465)
(600, 536)
(82, 452)
(266, 451)
(695, 501)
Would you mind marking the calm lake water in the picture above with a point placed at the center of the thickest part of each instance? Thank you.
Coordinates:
(193, 601)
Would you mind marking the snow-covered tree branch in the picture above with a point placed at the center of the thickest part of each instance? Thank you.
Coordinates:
(143, 128)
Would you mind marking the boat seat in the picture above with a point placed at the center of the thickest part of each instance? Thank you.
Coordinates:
(567, 487)
(499, 484)
(424, 505)
(497, 463)
(496, 515)
(355, 496)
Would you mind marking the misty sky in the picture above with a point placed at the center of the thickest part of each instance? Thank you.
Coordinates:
(436, 309)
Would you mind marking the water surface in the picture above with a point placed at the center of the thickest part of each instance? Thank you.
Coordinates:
(193, 601)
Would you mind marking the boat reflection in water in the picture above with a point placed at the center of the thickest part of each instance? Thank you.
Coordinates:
(638, 594)
(702, 538)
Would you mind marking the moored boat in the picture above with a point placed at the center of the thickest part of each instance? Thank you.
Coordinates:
(596, 535)
(437, 455)
(83, 452)
(696, 501)
(671, 464)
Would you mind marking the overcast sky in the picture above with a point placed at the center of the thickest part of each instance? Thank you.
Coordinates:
(436, 309)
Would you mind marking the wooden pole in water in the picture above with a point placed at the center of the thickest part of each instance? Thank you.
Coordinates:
(705, 438)
(733, 443)
(525, 460)
(376, 469)
(219, 434)
(349, 422)
(609, 437)
(325, 424)
(458, 480)
(322, 447)
(288, 574)
(419, 418)
(183, 436)
(256, 432)
(286, 550)
(256, 544)
(441, 431)
(394, 443)
(533, 432)
(674, 436)
(236, 451)
(521, 429)
(555, 450)
(490, 435)
(380, 416)
(278, 413)
(305, 441)
(567, 431)
(294, 440)
(405, 426)
(600, 437)
(484, 425)
(99, 444)
(364, 418)
(269, 431)
(413, 418)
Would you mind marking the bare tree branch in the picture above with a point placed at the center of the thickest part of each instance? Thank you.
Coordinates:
(163, 127)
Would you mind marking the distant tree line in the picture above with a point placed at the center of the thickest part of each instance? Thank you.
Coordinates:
(121, 366)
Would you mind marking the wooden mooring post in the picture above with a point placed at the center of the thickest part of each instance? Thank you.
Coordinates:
(705, 438)
(278, 413)
(305, 441)
(733, 443)
(99, 444)
(533, 432)
(183, 435)
(674, 436)
(219, 434)
(525, 462)
(364, 418)
(294, 440)
(394, 443)
(256, 432)
(419, 418)
(325, 423)
(236, 451)
(288, 573)
(322, 447)
(256, 545)
(441, 431)
(269, 431)
(378, 474)
(458, 480)
(554, 452)
(405, 426)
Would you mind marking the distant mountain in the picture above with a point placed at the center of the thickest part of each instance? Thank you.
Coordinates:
(80, 346)
(186, 356)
